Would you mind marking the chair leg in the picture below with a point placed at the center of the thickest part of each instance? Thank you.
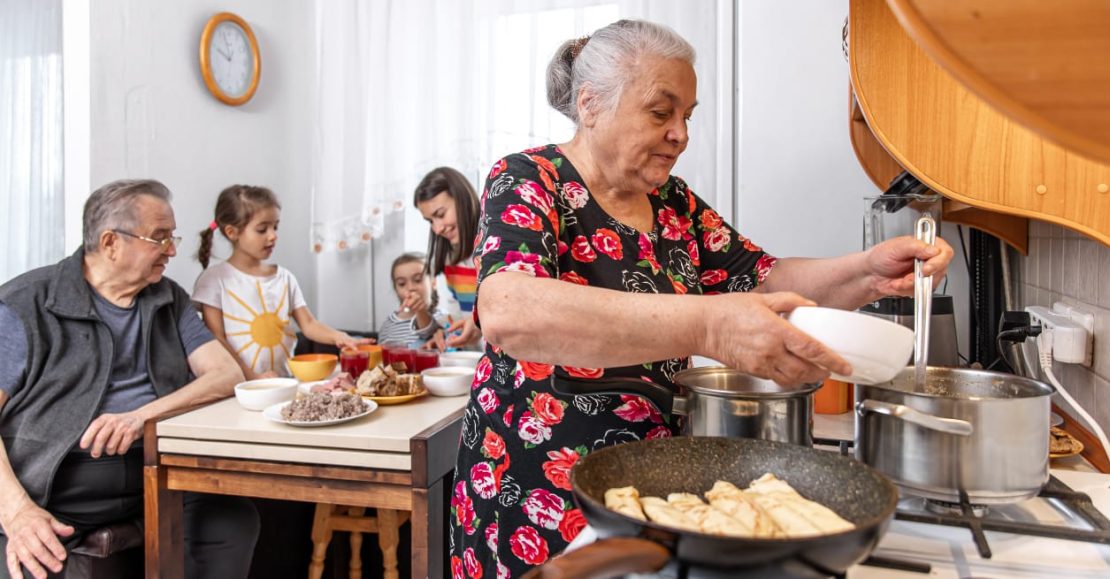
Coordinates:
(355, 569)
(388, 538)
(321, 536)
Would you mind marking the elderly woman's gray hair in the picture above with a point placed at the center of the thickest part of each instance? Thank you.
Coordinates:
(605, 61)
(112, 207)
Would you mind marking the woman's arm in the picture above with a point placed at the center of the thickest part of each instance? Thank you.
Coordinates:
(849, 281)
(550, 321)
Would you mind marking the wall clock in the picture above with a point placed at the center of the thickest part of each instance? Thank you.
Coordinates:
(229, 59)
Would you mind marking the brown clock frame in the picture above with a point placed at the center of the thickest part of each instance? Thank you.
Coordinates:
(206, 65)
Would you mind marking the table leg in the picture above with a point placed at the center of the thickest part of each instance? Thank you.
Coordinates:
(388, 539)
(321, 536)
(428, 531)
(165, 534)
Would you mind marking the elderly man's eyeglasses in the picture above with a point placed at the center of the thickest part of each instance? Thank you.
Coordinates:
(162, 243)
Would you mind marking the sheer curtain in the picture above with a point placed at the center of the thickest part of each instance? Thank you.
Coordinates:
(31, 192)
(404, 86)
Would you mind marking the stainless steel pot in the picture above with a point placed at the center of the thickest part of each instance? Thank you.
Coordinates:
(969, 431)
(718, 401)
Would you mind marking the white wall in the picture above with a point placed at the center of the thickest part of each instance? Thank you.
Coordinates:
(151, 116)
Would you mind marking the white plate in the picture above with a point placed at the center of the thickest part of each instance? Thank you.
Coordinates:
(273, 413)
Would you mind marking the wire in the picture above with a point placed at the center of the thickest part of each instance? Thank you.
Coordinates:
(1044, 349)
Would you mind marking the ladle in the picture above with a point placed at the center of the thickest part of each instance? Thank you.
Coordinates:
(925, 230)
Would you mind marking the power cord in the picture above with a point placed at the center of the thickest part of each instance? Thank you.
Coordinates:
(1044, 351)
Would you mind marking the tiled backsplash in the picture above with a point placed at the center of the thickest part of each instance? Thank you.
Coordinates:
(1064, 266)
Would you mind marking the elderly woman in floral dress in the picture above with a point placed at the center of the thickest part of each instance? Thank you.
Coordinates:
(595, 261)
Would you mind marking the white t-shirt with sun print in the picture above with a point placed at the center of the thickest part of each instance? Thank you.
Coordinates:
(257, 312)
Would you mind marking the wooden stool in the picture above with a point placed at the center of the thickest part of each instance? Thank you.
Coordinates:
(331, 518)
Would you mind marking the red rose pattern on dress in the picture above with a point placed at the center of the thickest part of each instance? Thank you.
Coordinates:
(512, 506)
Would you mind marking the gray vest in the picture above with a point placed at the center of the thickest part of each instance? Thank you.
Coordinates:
(69, 362)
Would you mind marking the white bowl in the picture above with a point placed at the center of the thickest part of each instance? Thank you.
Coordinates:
(877, 349)
(448, 380)
(259, 394)
(460, 358)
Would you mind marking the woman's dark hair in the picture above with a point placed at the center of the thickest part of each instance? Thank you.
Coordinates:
(235, 207)
(440, 252)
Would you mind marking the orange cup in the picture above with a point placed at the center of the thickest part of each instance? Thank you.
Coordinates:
(375, 352)
(833, 397)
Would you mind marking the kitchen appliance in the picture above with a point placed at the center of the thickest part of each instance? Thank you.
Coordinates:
(691, 464)
(943, 346)
(970, 436)
(717, 401)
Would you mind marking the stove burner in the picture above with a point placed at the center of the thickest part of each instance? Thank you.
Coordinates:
(1079, 503)
(954, 509)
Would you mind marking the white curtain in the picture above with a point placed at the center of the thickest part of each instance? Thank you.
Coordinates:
(31, 192)
(404, 86)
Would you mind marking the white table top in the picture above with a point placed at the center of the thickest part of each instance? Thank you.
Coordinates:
(380, 440)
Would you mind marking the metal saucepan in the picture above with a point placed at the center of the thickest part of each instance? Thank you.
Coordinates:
(855, 491)
(968, 431)
(718, 401)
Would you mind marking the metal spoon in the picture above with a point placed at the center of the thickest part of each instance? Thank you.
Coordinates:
(925, 230)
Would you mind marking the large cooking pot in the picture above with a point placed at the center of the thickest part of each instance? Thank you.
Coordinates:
(968, 431)
(855, 491)
(717, 401)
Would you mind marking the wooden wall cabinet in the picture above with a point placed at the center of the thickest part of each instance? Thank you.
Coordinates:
(908, 111)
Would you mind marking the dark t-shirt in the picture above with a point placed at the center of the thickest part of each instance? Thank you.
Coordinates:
(129, 385)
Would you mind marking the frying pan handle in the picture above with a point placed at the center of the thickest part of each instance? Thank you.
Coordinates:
(662, 397)
(903, 412)
(606, 558)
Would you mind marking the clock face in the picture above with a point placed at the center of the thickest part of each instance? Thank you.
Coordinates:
(230, 58)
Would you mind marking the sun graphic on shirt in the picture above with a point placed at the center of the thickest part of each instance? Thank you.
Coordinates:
(267, 329)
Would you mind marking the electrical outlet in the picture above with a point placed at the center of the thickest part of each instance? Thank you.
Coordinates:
(1071, 340)
(1085, 319)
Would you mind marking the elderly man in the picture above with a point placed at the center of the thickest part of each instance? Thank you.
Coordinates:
(92, 347)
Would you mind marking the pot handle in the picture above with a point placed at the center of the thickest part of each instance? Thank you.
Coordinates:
(946, 425)
(614, 557)
(662, 397)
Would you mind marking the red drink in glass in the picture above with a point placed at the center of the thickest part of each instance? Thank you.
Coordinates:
(354, 362)
(426, 359)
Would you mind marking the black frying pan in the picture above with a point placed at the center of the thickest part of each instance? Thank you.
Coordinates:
(854, 490)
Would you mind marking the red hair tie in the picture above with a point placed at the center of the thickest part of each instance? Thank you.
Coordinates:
(213, 226)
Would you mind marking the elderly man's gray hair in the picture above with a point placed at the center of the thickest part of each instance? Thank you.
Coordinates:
(605, 61)
(112, 207)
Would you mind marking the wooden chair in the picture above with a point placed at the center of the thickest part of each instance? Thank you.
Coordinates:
(354, 520)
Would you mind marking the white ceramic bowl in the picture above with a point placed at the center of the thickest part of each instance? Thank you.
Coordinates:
(259, 394)
(448, 380)
(877, 349)
(460, 358)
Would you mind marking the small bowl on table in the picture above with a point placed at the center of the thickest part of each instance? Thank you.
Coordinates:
(312, 367)
(877, 349)
(448, 380)
(460, 358)
(259, 394)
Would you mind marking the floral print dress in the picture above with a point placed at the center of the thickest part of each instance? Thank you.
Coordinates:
(511, 505)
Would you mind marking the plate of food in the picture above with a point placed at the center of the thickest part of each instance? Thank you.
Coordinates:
(386, 386)
(320, 409)
(1062, 445)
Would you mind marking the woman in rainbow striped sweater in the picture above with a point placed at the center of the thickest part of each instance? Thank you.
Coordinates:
(448, 202)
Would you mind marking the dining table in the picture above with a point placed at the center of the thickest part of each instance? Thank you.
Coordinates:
(398, 457)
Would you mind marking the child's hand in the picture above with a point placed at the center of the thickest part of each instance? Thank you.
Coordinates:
(468, 332)
(437, 342)
(414, 303)
(344, 340)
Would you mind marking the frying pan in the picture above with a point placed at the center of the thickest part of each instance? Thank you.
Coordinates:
(854, 490)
